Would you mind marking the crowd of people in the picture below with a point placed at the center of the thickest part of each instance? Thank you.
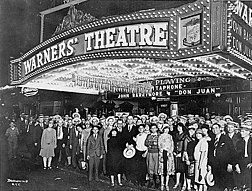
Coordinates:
(195, 151)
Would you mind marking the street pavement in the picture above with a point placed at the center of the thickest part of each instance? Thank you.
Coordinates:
(23, 174)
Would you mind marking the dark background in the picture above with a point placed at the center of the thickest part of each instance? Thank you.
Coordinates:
(20, 22)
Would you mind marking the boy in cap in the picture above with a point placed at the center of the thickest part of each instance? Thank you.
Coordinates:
(12, 136)
(151, 143)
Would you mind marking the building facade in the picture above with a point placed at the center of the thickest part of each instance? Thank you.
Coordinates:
(193, 58)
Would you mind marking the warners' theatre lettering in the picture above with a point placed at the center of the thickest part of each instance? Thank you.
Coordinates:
(51, 54)
(151, 34)
(244, 12)
(147, 34)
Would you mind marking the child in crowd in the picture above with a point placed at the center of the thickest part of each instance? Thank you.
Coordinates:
(152, 157)
(12, 136)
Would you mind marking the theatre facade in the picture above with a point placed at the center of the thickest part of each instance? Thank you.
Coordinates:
(195, 58)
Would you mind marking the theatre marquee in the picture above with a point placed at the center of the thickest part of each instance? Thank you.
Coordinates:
(204, 38)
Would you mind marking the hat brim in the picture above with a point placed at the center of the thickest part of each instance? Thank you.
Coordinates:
(129, 153)
(162, 115)
(94, 119)
(109, 119)
(76, 119)
(209, 179)
(76, 115)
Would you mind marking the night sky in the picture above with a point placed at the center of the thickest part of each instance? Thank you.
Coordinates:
(20, 22)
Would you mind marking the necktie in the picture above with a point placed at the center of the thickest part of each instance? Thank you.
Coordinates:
(95, 136)
(215, 145)
(246, 149)
(129, 127)
(76, 132)
(59, 132)
(216, 142)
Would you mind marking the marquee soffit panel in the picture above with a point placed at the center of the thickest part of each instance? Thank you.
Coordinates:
(176, 54)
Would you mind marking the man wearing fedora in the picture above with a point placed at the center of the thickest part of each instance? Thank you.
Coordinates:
(37, 134)
(75, 137)
(235, 137)
(221, 158)
(128, 132)
(61, 135)
(245, 154)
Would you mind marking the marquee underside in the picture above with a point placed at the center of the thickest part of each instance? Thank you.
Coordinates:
(124, 75)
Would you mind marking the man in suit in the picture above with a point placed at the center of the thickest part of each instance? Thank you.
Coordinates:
(29, 132)
(75, 140)
(61, 135)
(21, 123)
(37, 134)
(95, 151)
(129, 132)
(221, 158)
(245, 153)
(235, 137)
(104, 131)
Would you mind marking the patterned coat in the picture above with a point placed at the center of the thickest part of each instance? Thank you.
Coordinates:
(165, 143)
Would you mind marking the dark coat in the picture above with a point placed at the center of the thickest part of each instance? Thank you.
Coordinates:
(65, 134)
(241, 151)
(115, 155)
(29, 136)
(21, 125)
(127, 136)
(235, 139)
(95, 146)
(37, 133)
(224, 151)
(74, 140)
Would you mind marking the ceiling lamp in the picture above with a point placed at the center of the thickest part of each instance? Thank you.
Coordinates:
(198, 69)
(204, 60)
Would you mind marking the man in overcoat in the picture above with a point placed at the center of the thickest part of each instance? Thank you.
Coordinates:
(75, 141)
(221, 158)
(129, 132)
(235, 137)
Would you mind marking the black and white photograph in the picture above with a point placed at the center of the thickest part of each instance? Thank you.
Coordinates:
(125, 95)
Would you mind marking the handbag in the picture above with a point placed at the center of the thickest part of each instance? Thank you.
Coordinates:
(144, 155)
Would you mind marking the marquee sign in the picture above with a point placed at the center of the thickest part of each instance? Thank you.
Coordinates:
(125, 50)
(26, 91)
(170, 84)
(51, 54)
(151, 34)
(197, 91)
(240, 31)
(178, 92)
(145, 34)
(244, 12)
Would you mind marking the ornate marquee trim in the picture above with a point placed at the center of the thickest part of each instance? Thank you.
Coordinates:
(74, 18)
